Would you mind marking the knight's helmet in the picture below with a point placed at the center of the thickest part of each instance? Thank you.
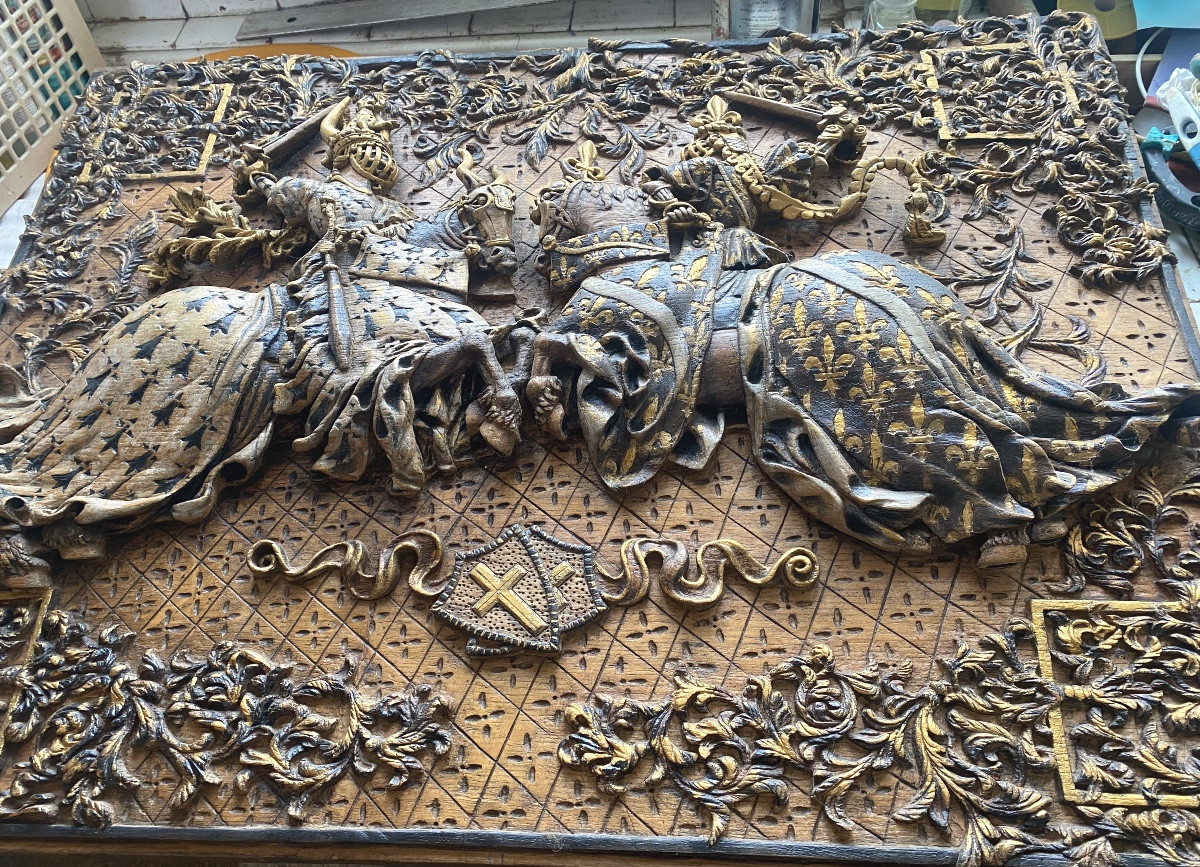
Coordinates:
(363, 144)
(548, 211)
(774, 181)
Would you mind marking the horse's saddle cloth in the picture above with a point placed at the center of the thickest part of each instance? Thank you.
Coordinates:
(398, 262)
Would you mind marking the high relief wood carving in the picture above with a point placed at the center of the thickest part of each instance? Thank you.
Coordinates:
(765, 450)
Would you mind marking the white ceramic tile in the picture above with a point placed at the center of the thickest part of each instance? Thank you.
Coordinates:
(423, 28)
(214, 32)
(127, 36)
(548, 17)
(117, 10)
(602, 15)
(207, 8)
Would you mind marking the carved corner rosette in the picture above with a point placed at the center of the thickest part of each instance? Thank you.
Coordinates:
(79, 710)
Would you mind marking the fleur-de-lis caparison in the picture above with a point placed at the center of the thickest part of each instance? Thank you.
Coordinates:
(828, 369)
(974, 455)
(884, 277)
(853, 442)
(830, 296)
(1024, 406)
(863, 332)
(905, 360)
(874, 466)
(922, 433)
(805, 332)
(939, 309)
(871, 392)
(881, 469)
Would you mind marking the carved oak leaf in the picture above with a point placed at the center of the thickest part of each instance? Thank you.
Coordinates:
(574, 70)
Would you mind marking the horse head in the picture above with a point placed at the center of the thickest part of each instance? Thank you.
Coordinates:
(486, 210)
(583, 202)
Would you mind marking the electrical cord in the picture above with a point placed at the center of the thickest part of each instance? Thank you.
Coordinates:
(1141, 82)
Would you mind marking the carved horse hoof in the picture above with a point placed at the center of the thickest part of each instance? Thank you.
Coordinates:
(545, 393)
(496, 416)
(1004, 548)
(501, 437)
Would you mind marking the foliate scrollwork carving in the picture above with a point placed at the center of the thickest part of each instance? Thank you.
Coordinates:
(972, 739)
(1118, 535)
(1127, 674)
(231, 238)
(1100, 694)
(1070, 112)
(1005, 299)
(80, 710)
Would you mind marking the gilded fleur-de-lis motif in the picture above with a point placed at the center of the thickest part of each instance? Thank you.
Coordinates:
(923, 431)
(1026, 477)
(974, 455)
(1023, 405)
(862, 332)
(828, 369)
(881, 468)
(939, 309)
(599, 316)
(853, 442)
(878, 469)
(884, 277)
(904, 359)
(870, 392)
(830, 296)
(805, 332)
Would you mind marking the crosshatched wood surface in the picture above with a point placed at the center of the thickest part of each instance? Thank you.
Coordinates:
(182, 589)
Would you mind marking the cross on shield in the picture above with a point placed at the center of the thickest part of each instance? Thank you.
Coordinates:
(522, 591)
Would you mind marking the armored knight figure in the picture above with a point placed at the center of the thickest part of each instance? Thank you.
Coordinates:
(872, 396)
(371, 342)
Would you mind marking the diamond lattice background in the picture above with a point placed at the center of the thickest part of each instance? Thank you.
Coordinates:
(184, 588)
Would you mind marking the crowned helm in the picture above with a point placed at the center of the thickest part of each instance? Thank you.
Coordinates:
(362, 144)
(776, 181)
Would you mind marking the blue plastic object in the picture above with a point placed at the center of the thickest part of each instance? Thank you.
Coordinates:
(1174, 199)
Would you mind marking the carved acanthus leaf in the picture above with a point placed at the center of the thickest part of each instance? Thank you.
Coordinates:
(80, 707)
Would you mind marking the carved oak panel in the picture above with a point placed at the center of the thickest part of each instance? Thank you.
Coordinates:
(396, 589)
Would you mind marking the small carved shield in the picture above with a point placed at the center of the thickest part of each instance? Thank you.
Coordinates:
(572, 575)
(521, 591)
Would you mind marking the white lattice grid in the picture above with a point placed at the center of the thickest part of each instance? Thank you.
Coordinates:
(46, 53)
